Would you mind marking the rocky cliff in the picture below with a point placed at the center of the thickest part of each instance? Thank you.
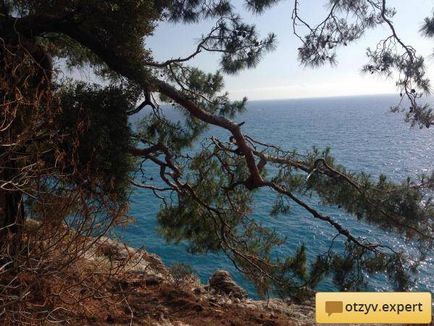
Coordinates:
(149, 294)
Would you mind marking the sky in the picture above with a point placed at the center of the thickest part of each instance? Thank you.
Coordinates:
(279, 75)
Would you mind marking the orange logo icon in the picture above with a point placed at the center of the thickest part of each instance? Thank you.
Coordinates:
(334, 307)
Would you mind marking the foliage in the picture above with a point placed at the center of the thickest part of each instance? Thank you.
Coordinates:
(68, 153)
(102, 113)
(182, 273)
(347, 21)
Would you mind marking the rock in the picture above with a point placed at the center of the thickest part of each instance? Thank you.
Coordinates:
(221, 281)
(113, 251)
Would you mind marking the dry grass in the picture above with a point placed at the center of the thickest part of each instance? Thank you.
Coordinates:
(108, 283)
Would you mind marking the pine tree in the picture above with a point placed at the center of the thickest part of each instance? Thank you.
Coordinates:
(68, 153)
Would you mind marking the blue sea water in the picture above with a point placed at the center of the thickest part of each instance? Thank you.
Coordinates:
(364, 136)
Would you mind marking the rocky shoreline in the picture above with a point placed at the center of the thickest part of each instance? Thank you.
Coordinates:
(152, 294)
(156, 297)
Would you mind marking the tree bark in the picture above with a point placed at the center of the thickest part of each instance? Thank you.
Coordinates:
(11, 208)
(37, 25)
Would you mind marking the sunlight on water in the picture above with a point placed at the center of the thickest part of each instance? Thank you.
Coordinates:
(363, 136)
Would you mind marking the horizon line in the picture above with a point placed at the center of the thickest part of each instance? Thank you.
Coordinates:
(322, 97)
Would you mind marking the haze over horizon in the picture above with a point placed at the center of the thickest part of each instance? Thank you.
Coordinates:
(323, 97)
(279, 74)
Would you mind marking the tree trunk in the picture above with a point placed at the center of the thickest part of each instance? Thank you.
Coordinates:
(11, 209)
(11, 219)
(11, 197)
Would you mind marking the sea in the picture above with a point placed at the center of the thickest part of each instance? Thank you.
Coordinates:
(363, 136)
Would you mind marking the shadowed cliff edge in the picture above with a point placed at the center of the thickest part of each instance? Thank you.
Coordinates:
(143, 291)
(150, 294)
(110, 283)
